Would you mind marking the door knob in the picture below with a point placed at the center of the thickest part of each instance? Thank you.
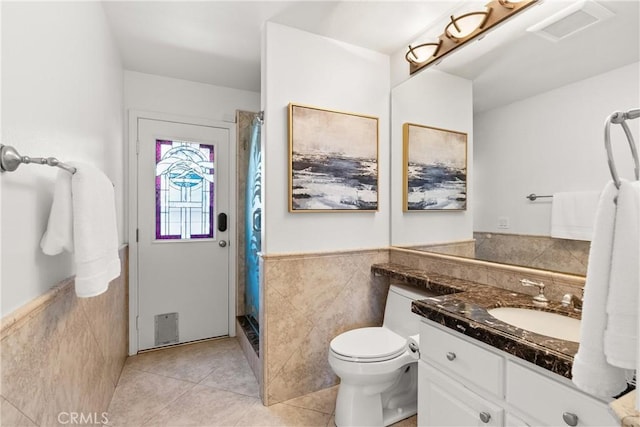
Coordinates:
(222, 243)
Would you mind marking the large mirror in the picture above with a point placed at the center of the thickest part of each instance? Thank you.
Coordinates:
(533, 105)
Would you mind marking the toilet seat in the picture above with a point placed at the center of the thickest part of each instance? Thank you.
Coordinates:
(368, 345)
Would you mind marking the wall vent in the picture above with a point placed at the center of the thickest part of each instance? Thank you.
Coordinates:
(571, 20)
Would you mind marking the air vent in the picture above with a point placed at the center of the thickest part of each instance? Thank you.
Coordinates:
(166, 329)
(571, 20)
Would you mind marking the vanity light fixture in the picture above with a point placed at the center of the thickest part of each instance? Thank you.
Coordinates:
(463, 29)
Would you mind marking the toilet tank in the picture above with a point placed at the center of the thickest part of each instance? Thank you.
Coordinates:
(397, 312)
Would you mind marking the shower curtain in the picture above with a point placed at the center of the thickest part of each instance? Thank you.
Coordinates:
(253, 224)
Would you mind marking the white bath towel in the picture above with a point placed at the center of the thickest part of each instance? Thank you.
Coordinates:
(59, 234)
(573, 214)
(86, 202)
(591, 372)
(621, 334)
(95, 231)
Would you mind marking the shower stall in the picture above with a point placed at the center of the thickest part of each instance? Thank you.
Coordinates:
(250, 216)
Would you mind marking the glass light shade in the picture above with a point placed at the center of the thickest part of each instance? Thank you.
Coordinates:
(509, 4)
(422, 52)
(464, 25)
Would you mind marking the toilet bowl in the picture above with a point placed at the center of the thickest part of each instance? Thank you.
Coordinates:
(378, 371)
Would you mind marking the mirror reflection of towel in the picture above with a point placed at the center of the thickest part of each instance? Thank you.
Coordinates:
(573, 214)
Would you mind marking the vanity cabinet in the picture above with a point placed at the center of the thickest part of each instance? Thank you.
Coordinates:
(463, 382)
(445, 402)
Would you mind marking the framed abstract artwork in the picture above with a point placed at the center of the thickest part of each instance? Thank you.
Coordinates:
(333, 161)
(435, 169)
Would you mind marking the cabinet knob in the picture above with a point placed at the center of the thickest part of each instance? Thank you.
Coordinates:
(485, 417)
(570, 419)
(451, 355)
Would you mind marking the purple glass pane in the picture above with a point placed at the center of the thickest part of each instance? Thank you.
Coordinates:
(184, 190)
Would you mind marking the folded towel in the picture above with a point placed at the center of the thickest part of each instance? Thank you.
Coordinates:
(573, 214)
(591, 372)
(83, 221)
(621, 334)
(59, 234)
(95, 231)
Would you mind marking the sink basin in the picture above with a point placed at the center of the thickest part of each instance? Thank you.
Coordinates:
(541, 322)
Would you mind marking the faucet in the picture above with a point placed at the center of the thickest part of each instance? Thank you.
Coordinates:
(539, 299)
(572, 300)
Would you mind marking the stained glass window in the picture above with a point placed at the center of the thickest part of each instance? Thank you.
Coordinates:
(185, 178)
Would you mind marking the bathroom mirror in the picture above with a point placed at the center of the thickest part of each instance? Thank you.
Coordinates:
(536, 126)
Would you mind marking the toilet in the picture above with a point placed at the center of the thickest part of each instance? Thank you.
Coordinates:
(377, 368)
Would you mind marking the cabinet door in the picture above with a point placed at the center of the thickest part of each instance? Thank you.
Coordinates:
(511, 420)
(444, 402)
(553, 403)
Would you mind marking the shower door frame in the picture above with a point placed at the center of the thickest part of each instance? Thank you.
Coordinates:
(132, 212)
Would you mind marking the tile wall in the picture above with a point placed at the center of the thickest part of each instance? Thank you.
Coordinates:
(544, 252)
(63, 354)
(307, 300)
(488, 273)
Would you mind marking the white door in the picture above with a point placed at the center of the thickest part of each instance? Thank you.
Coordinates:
(183, 255)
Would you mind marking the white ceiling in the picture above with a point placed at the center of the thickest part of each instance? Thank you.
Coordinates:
(218, 42)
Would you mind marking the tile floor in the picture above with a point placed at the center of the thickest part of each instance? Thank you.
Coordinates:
(208, 384)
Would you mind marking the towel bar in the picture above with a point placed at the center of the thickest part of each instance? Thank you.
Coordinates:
(534, 196)
(10, 159)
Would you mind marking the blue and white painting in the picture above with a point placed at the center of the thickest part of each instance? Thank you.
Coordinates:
(436, 175)
(334, 160)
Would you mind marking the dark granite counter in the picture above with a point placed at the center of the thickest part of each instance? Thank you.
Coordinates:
(462, 306)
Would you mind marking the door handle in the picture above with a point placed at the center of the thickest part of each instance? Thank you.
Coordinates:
(222, 222)
(222, 243)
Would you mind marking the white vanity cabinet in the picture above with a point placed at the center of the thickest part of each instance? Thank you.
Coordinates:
(463, 382)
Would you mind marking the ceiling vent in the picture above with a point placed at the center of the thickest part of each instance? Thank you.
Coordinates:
(571, 20)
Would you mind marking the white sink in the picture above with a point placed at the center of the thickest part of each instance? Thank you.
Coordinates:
(541, 322)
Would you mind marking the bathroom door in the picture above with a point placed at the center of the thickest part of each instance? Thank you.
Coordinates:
(183, 252)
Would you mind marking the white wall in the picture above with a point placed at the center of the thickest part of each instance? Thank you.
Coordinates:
(304, 68)
(181, 97)
(62, 97)
(550, 143)
(430, 98)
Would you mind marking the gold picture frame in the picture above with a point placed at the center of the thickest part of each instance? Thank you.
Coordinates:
(333, 160)
(434, 169)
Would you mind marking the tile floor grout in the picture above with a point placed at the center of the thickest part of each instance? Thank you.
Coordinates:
(178, 387)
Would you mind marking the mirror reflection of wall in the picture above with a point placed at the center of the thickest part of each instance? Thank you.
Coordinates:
(544, 143)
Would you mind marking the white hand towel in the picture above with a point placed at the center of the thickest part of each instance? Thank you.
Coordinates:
(573, 214)
(59, 234)
(95, 231)
(591, 372)
(621, 334)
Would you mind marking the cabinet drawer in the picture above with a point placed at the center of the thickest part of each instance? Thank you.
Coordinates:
(547, 400)
(468, 361)
(445, 402)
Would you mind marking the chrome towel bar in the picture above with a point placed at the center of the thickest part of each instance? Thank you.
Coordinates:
(10, 159)
(534, 196)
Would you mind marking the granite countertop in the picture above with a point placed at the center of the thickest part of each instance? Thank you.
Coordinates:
(462, 306)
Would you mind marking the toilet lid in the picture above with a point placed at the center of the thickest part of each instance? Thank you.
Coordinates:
(369, 344)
